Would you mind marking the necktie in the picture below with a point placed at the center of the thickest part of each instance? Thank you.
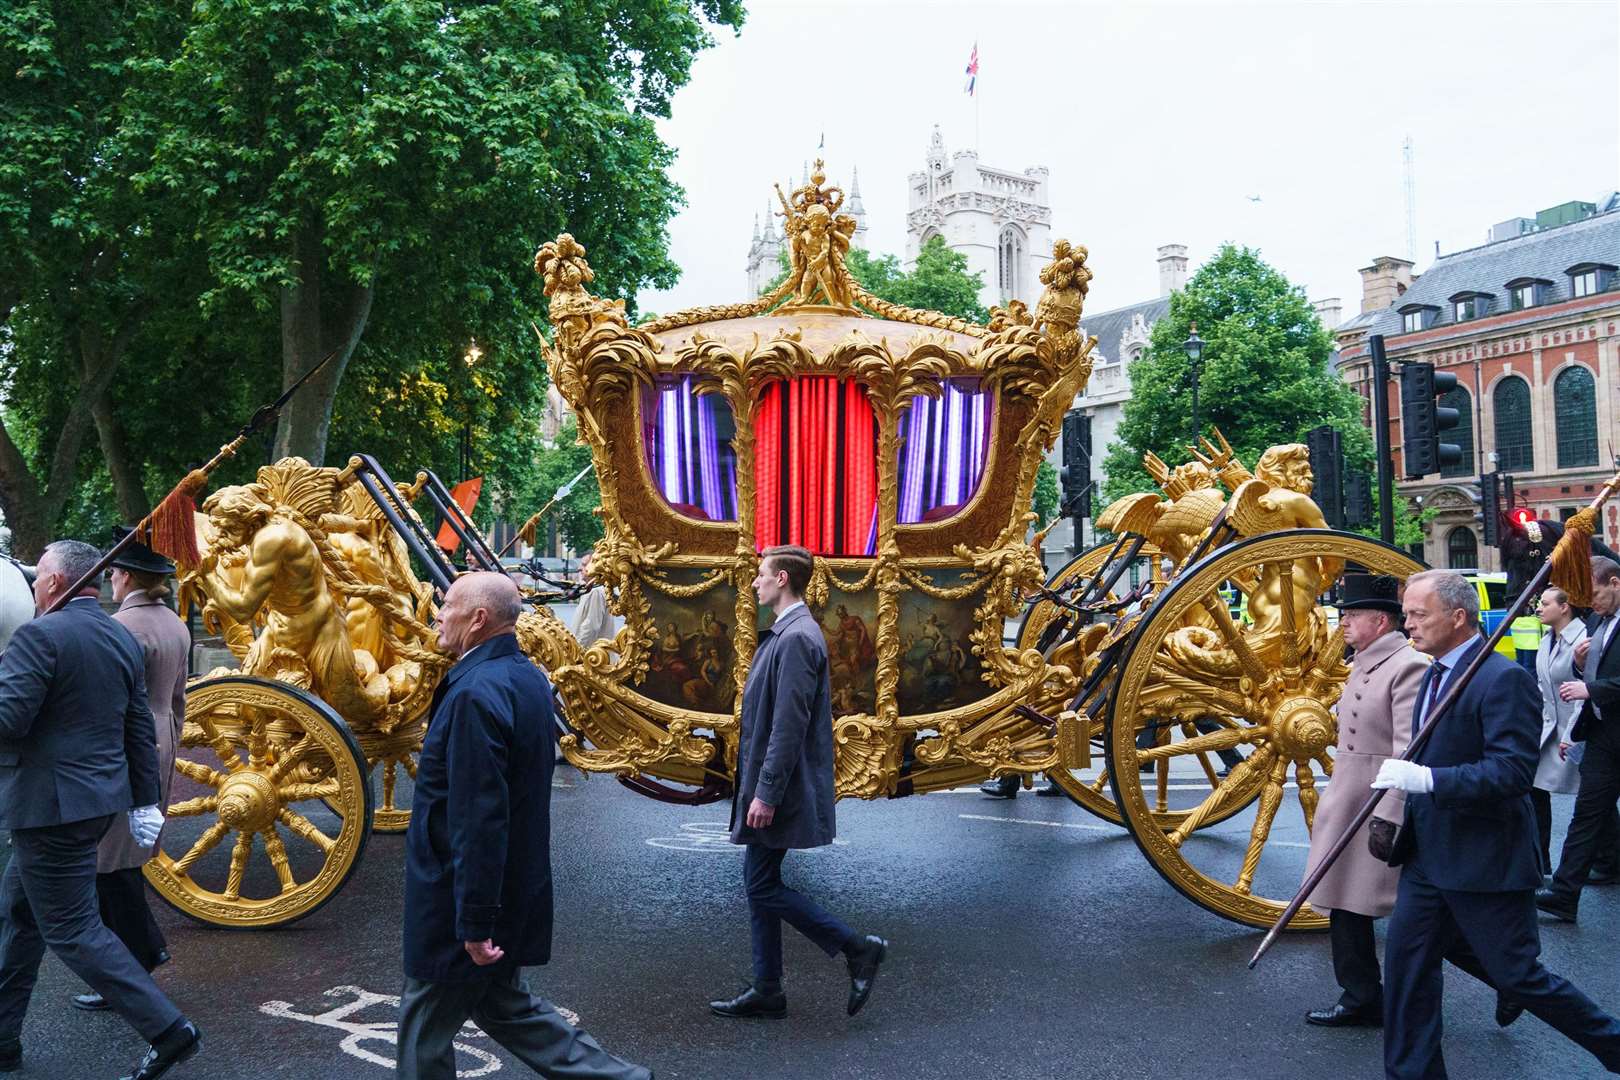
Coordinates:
(1434, 690)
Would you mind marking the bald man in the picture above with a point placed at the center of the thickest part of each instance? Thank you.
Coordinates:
(478, 855)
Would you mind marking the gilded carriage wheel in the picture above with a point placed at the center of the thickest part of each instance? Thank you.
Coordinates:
(1265, 687)
(1091, 788)
(266, 758)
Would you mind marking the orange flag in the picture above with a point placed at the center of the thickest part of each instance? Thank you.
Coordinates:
(464, 495)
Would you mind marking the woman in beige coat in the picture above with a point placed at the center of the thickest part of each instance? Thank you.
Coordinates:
(1558, 770)
(140, 585)
(1375, 722)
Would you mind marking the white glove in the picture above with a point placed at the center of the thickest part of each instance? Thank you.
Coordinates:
(1404, 776)
(145, 822)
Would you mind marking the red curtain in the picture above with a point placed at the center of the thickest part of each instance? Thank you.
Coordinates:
(815, 466)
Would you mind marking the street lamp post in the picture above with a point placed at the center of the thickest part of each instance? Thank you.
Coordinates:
(1194, 346)
(471, 356)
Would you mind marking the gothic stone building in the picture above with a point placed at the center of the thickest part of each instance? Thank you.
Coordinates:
(1527, 322)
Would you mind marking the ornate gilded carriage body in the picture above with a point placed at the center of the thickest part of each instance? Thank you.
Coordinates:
(900, 446)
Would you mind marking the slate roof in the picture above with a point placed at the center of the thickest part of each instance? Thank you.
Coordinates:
(1108, 326)
(1487, 269)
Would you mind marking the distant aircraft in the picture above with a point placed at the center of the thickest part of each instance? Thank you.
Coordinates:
(1252, 198)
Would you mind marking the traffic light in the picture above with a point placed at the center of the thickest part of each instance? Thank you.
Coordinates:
(1358, 501)
(1075, 476)
(1490, 507)
(1327, 466)
(1423, 419)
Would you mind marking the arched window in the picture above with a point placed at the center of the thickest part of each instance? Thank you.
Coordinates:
(1575, 410)
(1463, 434)
(1462, 549)
(1009, 258)
(1515, 450)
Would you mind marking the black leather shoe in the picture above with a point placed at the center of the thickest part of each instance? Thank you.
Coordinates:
(1507, 1011)
(1339, 1016)
(10, 1055)
(1048, 788)
(1001, 787)
(863, 968)
(174, 1046)
(751, 1004)
(1555, 904)
(1603, 875)
(91, 1002)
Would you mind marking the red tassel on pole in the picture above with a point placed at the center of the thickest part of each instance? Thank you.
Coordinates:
(171, 529)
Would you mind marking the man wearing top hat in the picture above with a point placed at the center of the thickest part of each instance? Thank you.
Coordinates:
(140, 585)
(1375, 722)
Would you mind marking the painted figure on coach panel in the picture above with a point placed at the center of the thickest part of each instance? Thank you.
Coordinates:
(784, 795)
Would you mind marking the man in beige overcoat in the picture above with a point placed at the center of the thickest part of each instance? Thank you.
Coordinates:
(1375, 722)
(140, 584)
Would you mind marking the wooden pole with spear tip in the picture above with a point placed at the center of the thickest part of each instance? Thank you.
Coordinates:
(1569, 567)
(170, 529)
(526, 532)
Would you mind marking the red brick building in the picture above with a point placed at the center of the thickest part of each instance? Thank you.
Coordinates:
(1528, 323)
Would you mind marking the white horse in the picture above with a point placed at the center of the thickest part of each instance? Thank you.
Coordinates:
(16, 598)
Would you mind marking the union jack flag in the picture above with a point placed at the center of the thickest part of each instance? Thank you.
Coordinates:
(973, 69)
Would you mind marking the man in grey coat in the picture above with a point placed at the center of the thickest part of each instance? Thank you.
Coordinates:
(785, 781)
(77, 754)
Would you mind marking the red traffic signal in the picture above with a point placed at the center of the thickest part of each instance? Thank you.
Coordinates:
(1522, 516)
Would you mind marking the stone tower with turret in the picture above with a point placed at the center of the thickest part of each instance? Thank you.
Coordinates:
(1000, 219)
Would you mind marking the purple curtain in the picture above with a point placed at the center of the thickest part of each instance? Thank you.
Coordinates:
(687, 437)
(945, 443)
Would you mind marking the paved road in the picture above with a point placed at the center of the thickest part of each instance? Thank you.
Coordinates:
(1028, 940)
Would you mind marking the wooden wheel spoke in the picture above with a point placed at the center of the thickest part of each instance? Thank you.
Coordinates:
(1217, 799)
(1326, 761)
(390, 770)
(1162, 785)
(1250, 663)
(276, 848)
(1219, 701)
(194, 770)
(305, 829)
(202, 804)
(329, 788)
(205, 843)
(1225, 739)
(1100, 783)
(239, 861)
(257, 742)
(290, 759)
(1270, 799)
(1209, 770)
(220, 744)
(1290, 629)
(1308, 795)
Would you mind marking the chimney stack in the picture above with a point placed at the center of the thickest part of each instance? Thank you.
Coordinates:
(1330, 310)
(1384, 281)
(1172, 268)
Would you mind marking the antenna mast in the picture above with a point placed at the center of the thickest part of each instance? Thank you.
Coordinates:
(1411, 198)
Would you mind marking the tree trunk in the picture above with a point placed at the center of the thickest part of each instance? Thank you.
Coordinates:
(133, 504)
(312, 326)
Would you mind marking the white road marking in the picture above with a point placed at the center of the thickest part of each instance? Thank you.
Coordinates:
(1032, 821)
(385, 1031)
(710, 837)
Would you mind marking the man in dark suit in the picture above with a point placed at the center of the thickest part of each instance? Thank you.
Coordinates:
(1598, 689)
(785, 782)
(78, 756)
(1467, 847)
(478, 855)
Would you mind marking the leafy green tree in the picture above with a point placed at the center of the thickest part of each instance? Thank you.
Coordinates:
(1265, 377)
(939, 282)
(575, 516)
(404, 158)
(1046, 498)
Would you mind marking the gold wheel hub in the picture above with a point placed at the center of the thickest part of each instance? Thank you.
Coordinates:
(247, 802)
(1303, 727)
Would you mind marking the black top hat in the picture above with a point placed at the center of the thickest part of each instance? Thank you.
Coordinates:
(137, 556)
(1376, 592)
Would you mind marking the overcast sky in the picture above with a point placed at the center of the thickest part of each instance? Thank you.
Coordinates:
(1158, 121)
